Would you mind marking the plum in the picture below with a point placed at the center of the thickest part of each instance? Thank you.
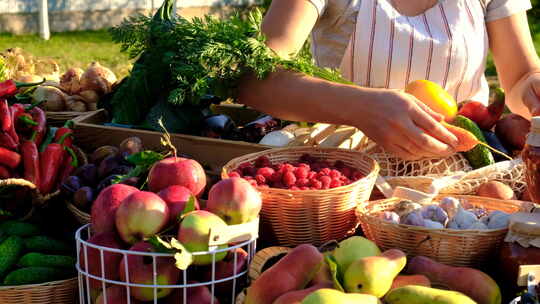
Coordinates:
(70, 185)
(88, 174)
(83, 198)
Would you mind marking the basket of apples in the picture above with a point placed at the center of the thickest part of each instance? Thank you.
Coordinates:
(163, 244)
(309, 193)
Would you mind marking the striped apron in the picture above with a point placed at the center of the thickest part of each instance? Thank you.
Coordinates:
(446, 44)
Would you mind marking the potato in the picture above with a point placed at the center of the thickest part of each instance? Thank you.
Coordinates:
(495, 189)
(512, 130)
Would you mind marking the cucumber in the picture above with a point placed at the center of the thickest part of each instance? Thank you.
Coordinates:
(36, 275)
(18, 228)
(45, 260)
(46, 244)
(10, 251)
(496, 144)
(479, 156)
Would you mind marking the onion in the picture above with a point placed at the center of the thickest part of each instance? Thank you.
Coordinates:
(75, 103)
(70, 80)
(55, 99)
(89, 96)
(98, 79)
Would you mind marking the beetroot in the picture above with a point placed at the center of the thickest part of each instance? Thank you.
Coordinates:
(105, 205)
(177, 171)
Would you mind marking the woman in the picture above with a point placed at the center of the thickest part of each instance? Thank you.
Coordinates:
(381, 45)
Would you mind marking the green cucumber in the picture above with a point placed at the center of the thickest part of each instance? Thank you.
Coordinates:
(46, 244)
(36, 275)
(46, 260)
(479, 156)
(10, 251)
(17, 228)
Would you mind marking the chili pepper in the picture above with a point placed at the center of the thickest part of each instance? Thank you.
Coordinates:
(48, 139)
(15, 110)
(66, 129)
(50, 162)
(4, 172)
(7, 142)
(39, 116)
(30, 157)
(6, 120)
(9, 87)
(9, 158)
(69, 164)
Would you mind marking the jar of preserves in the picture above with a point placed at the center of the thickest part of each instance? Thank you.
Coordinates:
(531, 158)
(521, 247)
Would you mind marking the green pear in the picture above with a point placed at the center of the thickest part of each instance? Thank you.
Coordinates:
(352, 249)
(332, 296)
(374, 275)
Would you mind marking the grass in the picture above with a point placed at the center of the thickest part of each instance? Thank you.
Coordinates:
(72, 49)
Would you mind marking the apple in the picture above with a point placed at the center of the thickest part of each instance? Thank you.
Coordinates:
(140, 270)
(176, 198)
(105, 206)
(194, 234)
(194, 295)
(234, 200)
(177, 171)
(226, 269)
(111, 260)
(140, 215)
(115, 294)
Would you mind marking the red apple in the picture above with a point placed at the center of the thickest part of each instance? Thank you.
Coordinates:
(105, 205)
(194, 295)
(140, 215)
(234, 200)
(140, 270)
(177, 171)
(225, 269)
(115, 294)
(111, 260)
(176, 198)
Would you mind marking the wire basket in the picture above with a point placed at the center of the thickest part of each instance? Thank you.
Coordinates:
(163, 282)
(470, 248)
(57, 292)
(294, 217)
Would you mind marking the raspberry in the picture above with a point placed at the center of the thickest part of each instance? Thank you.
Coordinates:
(288, 167)
(325, 171)
(339, 164)
(312, 175)
(325, 180)
(244, 165)
(234, 174)
(346, 171)
(253, 182)
(266, 172)
(304, 188)
(289, 179)
(294, 188)
(278, 167)
(334, 173)
(356, 175)
(335, 183)
(260, 179)
(276, 176)
(249, 171)
(304, 165)
(301, 182)
(301, 172)
(317, 184)
(262, 161)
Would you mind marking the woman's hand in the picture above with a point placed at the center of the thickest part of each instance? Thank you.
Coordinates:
(527, 92)
(401, 124)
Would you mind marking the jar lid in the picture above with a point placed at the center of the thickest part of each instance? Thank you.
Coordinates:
(524, 228)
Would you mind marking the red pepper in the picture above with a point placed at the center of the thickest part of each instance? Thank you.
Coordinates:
(69, 164)
(4, 172)
(7, 142)
(50, 161)
(6, 120)
(9, 87)
(15, 111)
(66, 129)
(30, 155)
(9, 158)
(39, 116)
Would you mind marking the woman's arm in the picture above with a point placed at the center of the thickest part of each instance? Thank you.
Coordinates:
(516, 61)
(393, 119)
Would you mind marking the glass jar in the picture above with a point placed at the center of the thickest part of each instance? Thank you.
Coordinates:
(531, 158)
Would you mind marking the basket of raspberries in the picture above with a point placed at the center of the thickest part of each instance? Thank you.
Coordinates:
(309, 193)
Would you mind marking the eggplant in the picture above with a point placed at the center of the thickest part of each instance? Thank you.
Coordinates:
(494, 142)
(257, 129)
(88, 174)
(83, 198)
(70, 185)
(217, 126)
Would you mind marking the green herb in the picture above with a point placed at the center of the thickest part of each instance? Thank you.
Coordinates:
(181, 61)
(142, 161)
(182, 256)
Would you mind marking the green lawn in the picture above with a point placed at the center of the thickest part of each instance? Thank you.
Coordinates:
(72, 49)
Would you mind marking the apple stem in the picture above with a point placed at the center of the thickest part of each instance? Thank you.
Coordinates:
(166, 138)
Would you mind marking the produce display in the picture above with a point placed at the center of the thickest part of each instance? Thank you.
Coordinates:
(356, 271)
(309, 173)
(27, 256)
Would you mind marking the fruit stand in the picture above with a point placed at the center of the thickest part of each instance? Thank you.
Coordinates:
(159, 188)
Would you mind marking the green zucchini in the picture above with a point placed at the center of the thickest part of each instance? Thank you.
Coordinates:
(479, 156)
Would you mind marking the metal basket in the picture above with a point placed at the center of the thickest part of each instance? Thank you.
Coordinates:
(229, 285)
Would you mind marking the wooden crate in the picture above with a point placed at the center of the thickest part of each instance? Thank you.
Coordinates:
(90, 133)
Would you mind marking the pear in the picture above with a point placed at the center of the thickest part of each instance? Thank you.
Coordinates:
(352, 249)
(374, 275)
(332, 296)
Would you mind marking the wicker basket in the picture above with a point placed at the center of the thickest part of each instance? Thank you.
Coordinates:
(57, 292)
(290, 217)
(81, 216)
(471, 248)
